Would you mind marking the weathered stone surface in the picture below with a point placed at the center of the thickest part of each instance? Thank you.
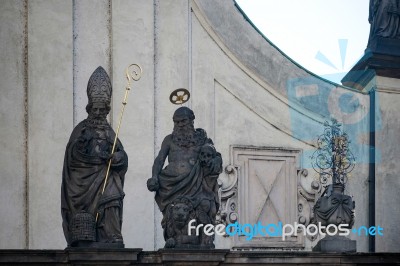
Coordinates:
(194, 257)
(364, 76)
(387, 170)
(244, 92)
(92, 48)
(268, 173)
(384, 63)
(13, 77)
(81, 256)
(132, 28)
(336, 244)
(50, 110)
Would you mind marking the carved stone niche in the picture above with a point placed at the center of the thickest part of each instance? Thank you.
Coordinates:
(265, 184)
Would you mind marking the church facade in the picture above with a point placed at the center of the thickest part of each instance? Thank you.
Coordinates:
(263, 111)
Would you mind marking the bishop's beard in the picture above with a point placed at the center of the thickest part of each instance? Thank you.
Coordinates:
(96, 121)
(184, 136)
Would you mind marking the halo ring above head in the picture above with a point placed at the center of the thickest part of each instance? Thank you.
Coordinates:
(179, 96)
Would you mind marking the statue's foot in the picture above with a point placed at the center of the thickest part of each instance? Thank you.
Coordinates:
(207, 242)
(117, 239)
(170, 243)
(211, 245)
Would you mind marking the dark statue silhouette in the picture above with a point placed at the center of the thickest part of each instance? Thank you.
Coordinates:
(91, 217)
(384, 17)
(187, 187)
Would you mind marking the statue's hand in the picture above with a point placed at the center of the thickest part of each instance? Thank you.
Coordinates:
(215, 165)
(104, 155)
(117, 158)
(152, 184)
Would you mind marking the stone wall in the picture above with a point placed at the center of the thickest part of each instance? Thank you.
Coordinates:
(245, 92)
(387, 168)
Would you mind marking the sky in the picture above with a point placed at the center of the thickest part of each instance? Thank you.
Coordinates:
(327, 37)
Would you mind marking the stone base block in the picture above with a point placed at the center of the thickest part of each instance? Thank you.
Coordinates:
(382, 58)
(215, 257)
(91, 244)
(336, 244)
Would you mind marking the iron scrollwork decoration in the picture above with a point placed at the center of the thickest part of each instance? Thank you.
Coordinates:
(333, 159)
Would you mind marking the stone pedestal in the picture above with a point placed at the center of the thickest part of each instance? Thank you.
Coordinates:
(70, 256)
(382, 58)
(336, 244)
(97, 245)
(385, 46)
(190, 257)
(378, 73)
(101, 256)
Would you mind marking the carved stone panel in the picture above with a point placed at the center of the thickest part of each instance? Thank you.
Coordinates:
(262, 184)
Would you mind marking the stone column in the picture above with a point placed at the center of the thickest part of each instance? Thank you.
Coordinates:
(379, 73)
(387, 169)
(49, 116)
(133, 42)
(171, 71)
(91, 47)
(13, 119)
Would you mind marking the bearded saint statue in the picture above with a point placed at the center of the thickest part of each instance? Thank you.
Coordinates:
(192, 172)
(384, 17)
(91, 217)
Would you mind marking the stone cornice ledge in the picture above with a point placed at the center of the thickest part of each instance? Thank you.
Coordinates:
(130, 256)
